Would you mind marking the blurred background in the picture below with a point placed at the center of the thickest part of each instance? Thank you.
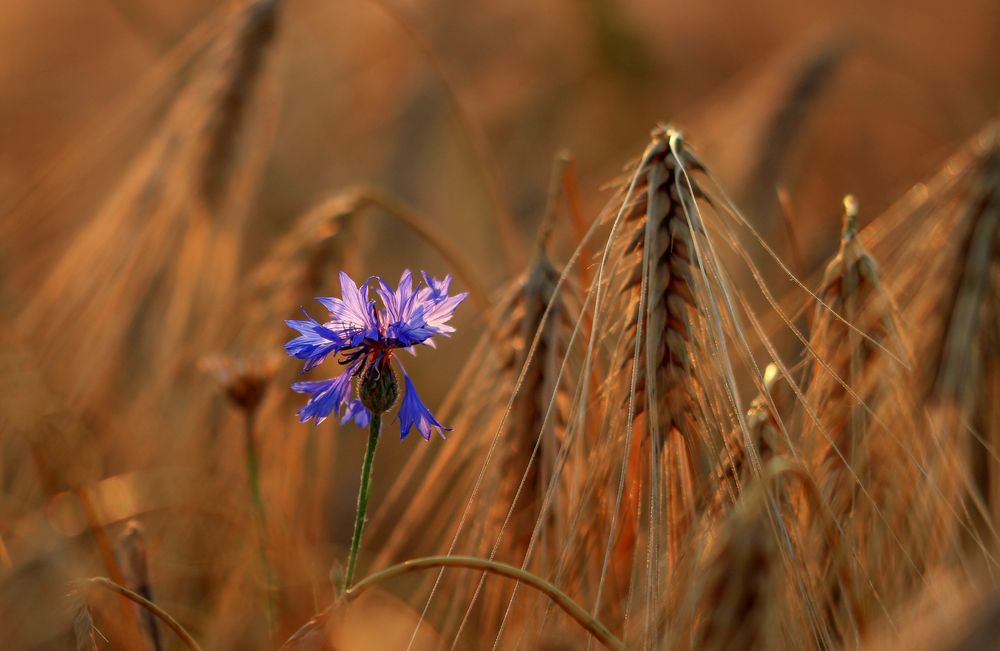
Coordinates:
(453, 110)
(362, 101)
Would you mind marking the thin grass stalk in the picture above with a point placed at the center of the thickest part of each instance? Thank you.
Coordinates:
(260, 515)
(570, 607)
(131, 553)
(161, 614)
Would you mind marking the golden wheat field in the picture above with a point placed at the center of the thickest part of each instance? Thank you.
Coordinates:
(695, 344)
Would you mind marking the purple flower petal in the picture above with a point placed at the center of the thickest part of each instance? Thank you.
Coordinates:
(415, 317)
(327, 396)
(404, 327)
(437, 314)
(413, 413)
(358, 413)
(397, 301)
(353, 315)
(314, 343)
(436, 289)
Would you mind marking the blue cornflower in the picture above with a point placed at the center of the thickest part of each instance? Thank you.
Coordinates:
(363, 339)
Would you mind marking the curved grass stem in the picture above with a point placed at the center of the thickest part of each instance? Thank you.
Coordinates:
(558, 597)
(161, 614)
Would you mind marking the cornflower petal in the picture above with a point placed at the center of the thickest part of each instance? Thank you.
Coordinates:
(352, 315)
(398, 300)
(436, 289)
(437, 314)
(438, 307)
(405, 326)
(358, 413)
(415, 317)
(327, 396)
(314, 343)
(413, 413)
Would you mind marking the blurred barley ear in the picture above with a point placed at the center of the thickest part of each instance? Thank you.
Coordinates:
(734, 470)
(786, 127)
(853, 376)
(740, 598)
(964, 369)
(941, 246)
(181, 206)
(525, 514)
(324, 238)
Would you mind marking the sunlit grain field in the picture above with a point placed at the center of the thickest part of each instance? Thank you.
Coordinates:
(640, 325)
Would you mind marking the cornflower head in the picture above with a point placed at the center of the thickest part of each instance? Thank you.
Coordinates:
(364, 339)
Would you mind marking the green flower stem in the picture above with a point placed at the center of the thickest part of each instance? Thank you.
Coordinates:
(366, 485)
(560, 598)
(253, 479)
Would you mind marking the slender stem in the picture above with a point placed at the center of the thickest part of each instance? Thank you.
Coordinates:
(131, 630)
(560, 598)
(260, 516)
(163, 615)
(366, 484)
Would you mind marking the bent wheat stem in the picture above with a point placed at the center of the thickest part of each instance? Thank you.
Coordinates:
(163, 615)
(558, 597)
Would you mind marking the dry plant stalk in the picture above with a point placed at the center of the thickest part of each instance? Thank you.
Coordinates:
(146, 286)
(889, 477)
(664, 317)
(657, 289)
